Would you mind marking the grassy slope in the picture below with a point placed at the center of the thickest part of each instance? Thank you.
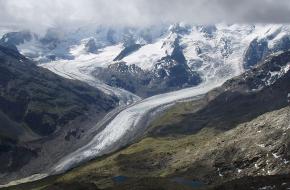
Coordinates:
(204, 152)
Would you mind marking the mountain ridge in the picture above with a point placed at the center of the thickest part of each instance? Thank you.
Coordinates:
(38, 106)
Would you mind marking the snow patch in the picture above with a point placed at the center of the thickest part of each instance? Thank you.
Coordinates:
(219, 172)
(256, 166)
(261, 145)
(276, 156)
(147, 55)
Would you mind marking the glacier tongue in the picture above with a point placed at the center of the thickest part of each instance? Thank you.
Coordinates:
(128, 125)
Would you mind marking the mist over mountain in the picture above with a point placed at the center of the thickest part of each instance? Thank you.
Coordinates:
(39, 16)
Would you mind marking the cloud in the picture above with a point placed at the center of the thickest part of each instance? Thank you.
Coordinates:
(42, 14)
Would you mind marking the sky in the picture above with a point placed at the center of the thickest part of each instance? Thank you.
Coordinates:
(43, 14)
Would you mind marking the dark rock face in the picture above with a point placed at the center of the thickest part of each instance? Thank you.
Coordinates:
(12, 39)
(174, 71)
(256, 52)
(127, 51)
(177, 53)
(129, 77)
(91, 46)
(174, 74)
(36, 104)
(259, 49)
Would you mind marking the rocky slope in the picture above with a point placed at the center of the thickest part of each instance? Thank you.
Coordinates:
(42, 115)
(238, 130)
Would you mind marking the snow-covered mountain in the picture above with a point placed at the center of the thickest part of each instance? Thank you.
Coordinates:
(153, 60)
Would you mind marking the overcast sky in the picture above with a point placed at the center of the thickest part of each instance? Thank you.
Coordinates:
(40, 14)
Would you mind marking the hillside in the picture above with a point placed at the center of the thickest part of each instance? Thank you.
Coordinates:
(37, 106)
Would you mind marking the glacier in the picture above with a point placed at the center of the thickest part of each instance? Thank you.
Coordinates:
(128, 125)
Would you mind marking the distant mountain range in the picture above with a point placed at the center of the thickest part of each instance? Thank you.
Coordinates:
(156, 59)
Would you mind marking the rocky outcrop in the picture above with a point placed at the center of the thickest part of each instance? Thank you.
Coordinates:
(272, 42)
(167, 76)
(12, 39)
(169, 73)
(127, 51)
(91, 46)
